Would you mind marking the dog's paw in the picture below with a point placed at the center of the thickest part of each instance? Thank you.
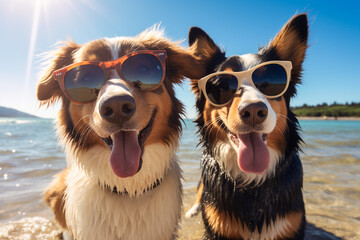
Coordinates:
(193, 211)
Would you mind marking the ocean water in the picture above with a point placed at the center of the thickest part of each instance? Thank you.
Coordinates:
(30, 155)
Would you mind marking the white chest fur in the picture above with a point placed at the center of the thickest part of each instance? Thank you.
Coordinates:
(94, 212)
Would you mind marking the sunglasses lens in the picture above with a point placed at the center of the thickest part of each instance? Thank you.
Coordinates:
(143, 69)
(221, 88)
(270, 79)
(84, 82)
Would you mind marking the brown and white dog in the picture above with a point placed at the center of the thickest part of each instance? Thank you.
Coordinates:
(91, 198)
(251, 181)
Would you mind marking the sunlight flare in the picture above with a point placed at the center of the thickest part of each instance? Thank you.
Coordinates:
(33, 36)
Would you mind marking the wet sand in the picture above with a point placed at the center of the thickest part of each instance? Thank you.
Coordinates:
(190, 228)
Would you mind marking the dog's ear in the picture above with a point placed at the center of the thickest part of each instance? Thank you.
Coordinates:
(48, 89)
(291, 44)
(183, 63)
(204, 47)
(180, 62)
(201, 44)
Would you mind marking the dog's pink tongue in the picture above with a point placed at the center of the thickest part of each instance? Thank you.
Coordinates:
(253, 154)
(125, 154)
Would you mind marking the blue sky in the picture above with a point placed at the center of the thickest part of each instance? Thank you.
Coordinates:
(31, 27)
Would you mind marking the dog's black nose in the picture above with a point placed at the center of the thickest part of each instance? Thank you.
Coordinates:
(118, 109)
(253, 113)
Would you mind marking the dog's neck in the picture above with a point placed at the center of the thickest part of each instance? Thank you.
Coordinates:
(94, 162)
(225, 155)
(212, 167)
(125, 192)
(226, 194)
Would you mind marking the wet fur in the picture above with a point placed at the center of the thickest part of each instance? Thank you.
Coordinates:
(82, 196)
(238, 205)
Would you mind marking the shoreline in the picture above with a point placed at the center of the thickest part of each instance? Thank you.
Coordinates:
(329, 118)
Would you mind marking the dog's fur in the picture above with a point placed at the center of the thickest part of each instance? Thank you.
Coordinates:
(236, 204)
(87, 198)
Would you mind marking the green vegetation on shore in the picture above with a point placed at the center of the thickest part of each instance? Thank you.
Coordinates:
(333, 110)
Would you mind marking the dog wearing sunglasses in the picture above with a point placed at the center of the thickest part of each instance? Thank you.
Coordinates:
(251, 180)
(119, 123)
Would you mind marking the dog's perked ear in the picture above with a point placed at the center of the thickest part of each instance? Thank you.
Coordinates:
(48, 89)
(204, 47)
(291, 44)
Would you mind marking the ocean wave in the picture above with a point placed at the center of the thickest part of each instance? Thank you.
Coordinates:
(30, 228)
(17, 121)
(56, 158)
(37, 173)
(345, 159)
(7, 151)
(350, 143)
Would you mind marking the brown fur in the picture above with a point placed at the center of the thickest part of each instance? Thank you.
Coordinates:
(289, 46)
(199, 192)
(276, 139)
(229, 227)
(211, 118)
(55, 198)
(295, 220)
(48, 90)
(97, 51)
(225, 225)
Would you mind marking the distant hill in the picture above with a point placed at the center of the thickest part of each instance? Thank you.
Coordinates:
(10, 112)
(325, 110)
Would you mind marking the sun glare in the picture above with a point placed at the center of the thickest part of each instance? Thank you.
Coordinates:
(43, 10)
(34, 30)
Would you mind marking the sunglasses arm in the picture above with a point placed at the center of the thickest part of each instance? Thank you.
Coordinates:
(201, 83)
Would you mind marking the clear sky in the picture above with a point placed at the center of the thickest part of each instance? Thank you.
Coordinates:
(31, 27)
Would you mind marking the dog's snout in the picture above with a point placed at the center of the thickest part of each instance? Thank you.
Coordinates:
(118, 109)
(253, 113)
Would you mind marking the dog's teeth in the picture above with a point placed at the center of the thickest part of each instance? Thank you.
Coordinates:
(109, 142)
(264, 137)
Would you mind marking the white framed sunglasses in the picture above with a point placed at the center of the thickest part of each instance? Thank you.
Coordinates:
(270, 78)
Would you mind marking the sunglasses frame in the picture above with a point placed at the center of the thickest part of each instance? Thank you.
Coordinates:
(287, 65)
(106, 66)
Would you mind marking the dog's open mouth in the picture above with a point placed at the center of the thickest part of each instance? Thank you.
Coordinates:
(253, 154)
(127, 148)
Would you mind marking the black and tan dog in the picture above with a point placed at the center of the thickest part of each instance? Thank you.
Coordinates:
(119, 123)
(251, 181)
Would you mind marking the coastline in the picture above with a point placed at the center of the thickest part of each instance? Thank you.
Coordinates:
(329, 118)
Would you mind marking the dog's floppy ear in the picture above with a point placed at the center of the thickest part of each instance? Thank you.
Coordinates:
(183, 63)
(204, 47)
(48, 89)
(180, 62)
(291, 44)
